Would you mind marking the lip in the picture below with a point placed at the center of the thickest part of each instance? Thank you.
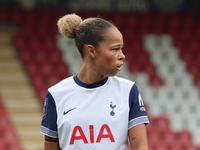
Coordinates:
(119, 67)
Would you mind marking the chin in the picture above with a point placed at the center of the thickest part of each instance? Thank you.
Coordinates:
(111, 74)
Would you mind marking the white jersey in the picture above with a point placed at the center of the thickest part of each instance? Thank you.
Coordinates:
(92, 116)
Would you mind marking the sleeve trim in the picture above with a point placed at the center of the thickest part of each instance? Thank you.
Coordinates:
(138, 120)
(49, 132)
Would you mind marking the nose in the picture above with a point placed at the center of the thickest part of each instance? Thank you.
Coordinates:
(122, 56)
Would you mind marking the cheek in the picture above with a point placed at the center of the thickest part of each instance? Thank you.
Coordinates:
(107, 58)
(109, 61)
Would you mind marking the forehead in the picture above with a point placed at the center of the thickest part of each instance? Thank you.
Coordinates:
(113, 35)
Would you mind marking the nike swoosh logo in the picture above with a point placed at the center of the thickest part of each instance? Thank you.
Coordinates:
(64, 113)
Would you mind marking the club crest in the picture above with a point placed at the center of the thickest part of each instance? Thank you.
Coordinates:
(45, 109)
(112, 113)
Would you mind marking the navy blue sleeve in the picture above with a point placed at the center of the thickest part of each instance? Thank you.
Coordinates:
(49, 119)
(137, 112)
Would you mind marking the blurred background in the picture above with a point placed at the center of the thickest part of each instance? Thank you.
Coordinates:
(162, 43)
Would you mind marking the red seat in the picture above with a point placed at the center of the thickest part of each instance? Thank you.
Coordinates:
(157, 145)
(134, 69)
(2, 145)
(27, 57)
(175, 147)
(187, 58)
(52, 81)
(182, 136)
(46, 69)
(8, 137)
(161, 122)
(16, 15)
(105, 15)
(155, 80)
(4, 14)
(150, 69)
(169, 138)
(39, 83)
(197, 80)
(41, 95)
(62, 71)
(194, 71)
(153, 137)
(32, 69)
(131, 23)
(189, 20)
(10, 140)
(173, 31)
(187, 32)
(41, 57)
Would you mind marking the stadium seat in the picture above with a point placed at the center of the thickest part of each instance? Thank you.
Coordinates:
(155, 80)
(16, 15)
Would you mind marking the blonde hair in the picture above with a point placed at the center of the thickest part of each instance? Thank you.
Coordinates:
(67, 25)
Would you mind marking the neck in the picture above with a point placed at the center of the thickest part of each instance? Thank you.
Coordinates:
(89, 75)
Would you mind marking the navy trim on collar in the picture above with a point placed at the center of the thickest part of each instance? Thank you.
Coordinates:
(94, 85)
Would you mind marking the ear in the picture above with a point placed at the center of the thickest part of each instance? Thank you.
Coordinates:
(91, 50)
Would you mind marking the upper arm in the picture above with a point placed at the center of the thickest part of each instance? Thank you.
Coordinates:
(49, 120)
(138, 137)
(137, 112)
(51, 143)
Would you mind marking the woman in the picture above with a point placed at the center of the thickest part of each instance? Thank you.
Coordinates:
(94, 110)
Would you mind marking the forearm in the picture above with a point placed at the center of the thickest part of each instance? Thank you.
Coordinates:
(51, 144)
(138, 138)
(143, 147)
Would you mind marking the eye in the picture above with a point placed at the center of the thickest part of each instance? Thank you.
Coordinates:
(116, 49)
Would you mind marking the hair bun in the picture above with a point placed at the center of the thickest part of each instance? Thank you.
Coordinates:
(67, 25)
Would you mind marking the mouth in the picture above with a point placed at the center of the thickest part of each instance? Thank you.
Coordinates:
(119, 67)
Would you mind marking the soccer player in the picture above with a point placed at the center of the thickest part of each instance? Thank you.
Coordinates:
(94, 110)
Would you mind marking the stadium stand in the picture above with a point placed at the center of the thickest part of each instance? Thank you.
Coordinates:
(43, 60)
(8, 136)
(160, 54)
(18, 96)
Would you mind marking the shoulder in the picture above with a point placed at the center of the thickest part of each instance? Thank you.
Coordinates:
(121, 81)
(120, 84)
(61, 85)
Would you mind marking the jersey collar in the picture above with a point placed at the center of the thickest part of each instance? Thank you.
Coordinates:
(94, 85)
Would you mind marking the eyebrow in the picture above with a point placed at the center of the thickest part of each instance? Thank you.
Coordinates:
(118, 45)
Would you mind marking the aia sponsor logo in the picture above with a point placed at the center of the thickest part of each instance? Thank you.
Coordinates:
(104, 133)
